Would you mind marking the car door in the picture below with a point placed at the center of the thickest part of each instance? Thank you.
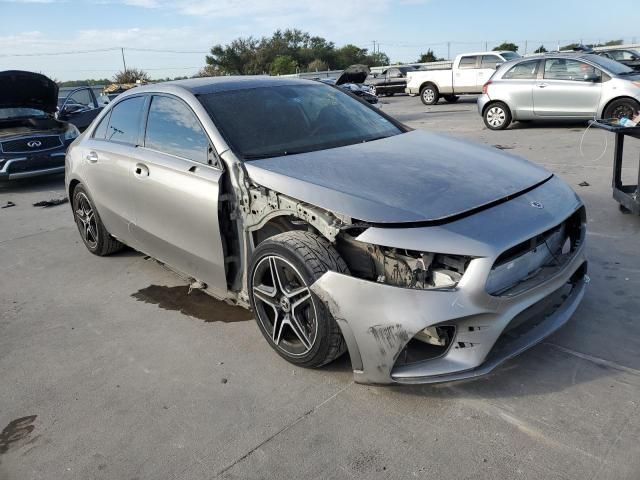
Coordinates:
(110, 154)
(177, 193)
(396, 81)
(568, 88)
(488, 64)
(465, 77)
(516, 87)
(80, 108)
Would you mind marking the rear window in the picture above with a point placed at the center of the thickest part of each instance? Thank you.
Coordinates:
(523, 71)
(124, 122)
(468, 62)
(490, 61)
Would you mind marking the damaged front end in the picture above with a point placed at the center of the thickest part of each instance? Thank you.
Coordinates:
(465, 301)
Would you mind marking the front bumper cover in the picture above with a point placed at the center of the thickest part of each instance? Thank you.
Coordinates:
(32, 165)
(378, 320)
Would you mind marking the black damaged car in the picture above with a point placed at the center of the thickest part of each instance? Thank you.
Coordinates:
(32, 141)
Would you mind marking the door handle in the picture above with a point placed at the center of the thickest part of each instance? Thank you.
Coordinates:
(543, 85)
(141, 170)
(92, 157)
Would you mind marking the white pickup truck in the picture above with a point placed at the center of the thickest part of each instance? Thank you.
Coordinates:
(470, 71)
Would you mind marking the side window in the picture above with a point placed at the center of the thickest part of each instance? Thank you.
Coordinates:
(394, 73)
(101, 130)
(566, 69)
(468, 62)
(174, 129)
(523, 71)
(79, 100)
(124, 122)
(490, 61)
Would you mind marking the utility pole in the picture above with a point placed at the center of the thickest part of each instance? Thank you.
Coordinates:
(448, 50)
(123, 62)
(486, 46)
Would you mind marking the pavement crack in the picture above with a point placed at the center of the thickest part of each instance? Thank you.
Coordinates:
(282, 430)
(596, 360)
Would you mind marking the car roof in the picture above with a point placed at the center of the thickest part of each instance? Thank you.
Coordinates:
(205, 85)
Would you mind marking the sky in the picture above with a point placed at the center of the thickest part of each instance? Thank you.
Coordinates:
(34, 30)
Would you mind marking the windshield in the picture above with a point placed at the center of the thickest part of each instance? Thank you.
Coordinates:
(7, 113)
(273, 121)
(509, 55)
(611, 65)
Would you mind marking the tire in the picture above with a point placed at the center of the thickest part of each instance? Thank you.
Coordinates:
(497, 116)
(451, 98)
(310, 337)
(429, 94)
(92, 231)
(622, 107)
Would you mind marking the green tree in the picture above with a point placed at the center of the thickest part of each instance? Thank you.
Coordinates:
(282, 65)
(239, 57)
(506, 46)
(570, 46)
(429, 57)
(540, 49)
(317, 65)
(131, 75)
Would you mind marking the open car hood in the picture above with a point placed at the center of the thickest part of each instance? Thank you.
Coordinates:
(20, 89)
(353, 74)
(408, 178)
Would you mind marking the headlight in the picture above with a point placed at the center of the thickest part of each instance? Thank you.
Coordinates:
(402, 268)
(71, 132)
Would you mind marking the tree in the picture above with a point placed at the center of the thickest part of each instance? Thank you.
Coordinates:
(131, 75)
(571, 46)
(540, 49)
(282, 65)
(506, 46)
(239, 57)
(208, 71)
(429, 57)
(317, 66)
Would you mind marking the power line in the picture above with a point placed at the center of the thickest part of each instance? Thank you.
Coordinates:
(100, 50)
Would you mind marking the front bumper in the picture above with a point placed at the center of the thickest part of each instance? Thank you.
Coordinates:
(33, 164)
(378, 321)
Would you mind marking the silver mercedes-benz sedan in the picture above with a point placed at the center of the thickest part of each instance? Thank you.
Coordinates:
(562, 86)
(427, 258)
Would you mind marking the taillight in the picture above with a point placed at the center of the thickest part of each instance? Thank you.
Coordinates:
(485, 87)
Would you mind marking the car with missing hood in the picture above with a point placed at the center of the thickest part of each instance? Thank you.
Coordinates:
(427, 258)
(352, 80)
(32, 141)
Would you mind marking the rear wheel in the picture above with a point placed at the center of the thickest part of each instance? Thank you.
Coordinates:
(451, 98)
(497, 116)
(429, 94)
(295, 322)
(93, 232)
(623, 107)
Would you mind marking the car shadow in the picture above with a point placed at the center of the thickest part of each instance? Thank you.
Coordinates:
(565, 124)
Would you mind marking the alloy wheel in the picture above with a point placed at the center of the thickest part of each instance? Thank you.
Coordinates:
(624, 110)
(429, 95)
(284, 305)
(86, 220)
(496, 117)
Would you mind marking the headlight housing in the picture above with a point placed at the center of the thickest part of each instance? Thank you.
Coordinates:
(402, 268)
(71, 132)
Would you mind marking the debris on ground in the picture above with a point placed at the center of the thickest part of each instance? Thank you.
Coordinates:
(224, 380)
(51, 203)
(503, 147)
(584, 184)
(8, 204)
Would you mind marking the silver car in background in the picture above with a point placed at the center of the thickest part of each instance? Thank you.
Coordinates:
(427, 258)
(559, 87)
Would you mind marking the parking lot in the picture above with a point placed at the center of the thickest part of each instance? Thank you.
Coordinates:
(127, 378)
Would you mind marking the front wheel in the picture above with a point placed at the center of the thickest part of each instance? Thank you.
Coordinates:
(623, 107)
(295, 322)
(429, 95)
(497, 116)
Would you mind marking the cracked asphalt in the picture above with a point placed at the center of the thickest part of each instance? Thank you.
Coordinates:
(97, 384)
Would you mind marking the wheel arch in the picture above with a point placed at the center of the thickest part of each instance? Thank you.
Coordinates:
(429, 83)
(493, 102)
(622, 97)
